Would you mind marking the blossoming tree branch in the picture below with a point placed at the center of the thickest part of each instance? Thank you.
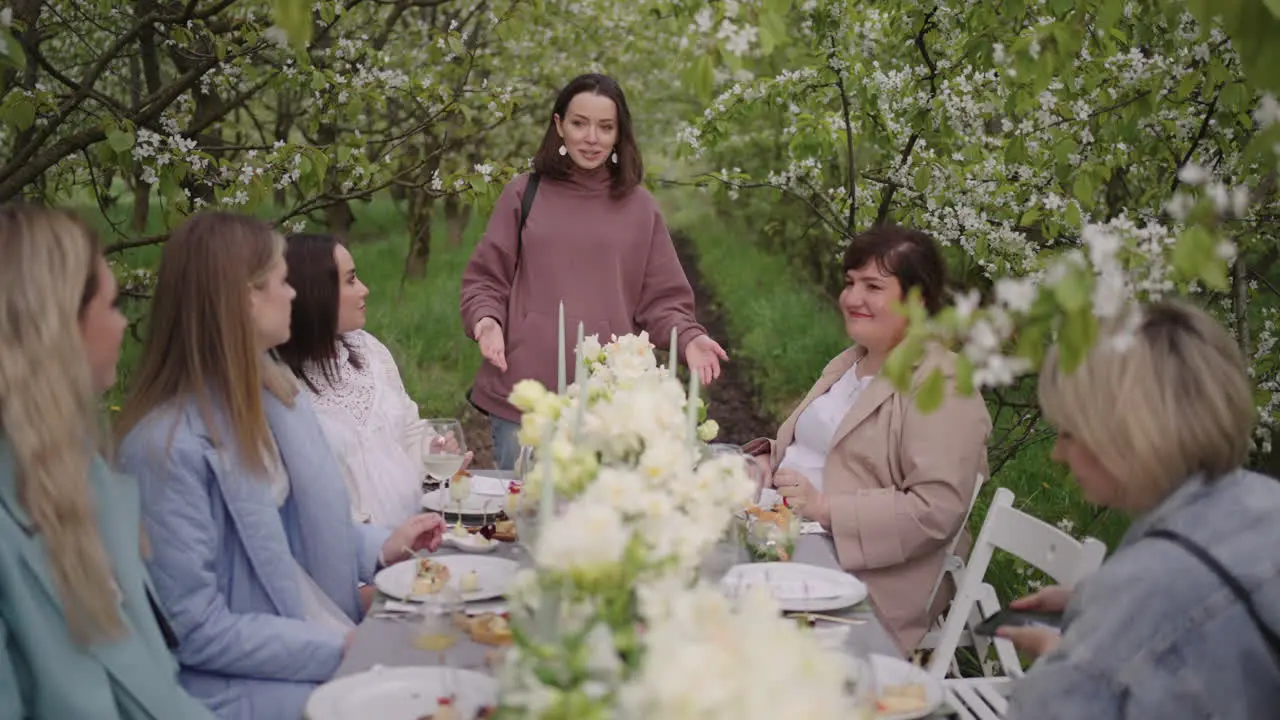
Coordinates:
(1075, 156)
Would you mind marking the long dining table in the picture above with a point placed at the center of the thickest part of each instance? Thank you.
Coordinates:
(388, 641)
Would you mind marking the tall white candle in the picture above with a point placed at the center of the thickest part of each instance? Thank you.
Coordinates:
(583, 394)
(580, 365)
(692, 410)
(560, 385)
(671, 349)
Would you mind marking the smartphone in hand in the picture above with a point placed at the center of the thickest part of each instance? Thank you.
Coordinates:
(1018, 618)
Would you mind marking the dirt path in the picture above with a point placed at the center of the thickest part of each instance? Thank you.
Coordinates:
(733, 401)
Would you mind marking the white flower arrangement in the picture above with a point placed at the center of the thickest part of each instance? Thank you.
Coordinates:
(640, 504)
(714, 660)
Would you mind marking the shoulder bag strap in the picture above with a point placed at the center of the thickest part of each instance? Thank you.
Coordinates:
(526, 202)
(1227, 578)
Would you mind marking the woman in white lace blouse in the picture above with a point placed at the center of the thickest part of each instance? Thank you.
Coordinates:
(370, 421)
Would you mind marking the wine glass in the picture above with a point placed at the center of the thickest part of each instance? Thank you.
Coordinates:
(444, 457)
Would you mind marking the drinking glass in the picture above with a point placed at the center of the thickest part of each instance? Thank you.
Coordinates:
(860, 686)
(438, 629)
(445, 456)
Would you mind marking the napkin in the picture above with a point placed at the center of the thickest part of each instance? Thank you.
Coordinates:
(813, 528)
(769, 498)
(486, 485)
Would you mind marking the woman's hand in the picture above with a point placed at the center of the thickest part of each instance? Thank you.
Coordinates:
(1035, 641)
(802, 496)
(1031, 641)
(1051, 599)
(418, 532)
(703, 356)
(488, 334)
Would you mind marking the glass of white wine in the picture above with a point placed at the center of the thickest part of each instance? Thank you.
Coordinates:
(444, 456)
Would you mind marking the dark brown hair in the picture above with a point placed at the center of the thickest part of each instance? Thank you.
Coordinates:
(911, 256)
(628, 171)
(313, 273)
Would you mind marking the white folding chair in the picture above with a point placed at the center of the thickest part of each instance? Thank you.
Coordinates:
(977, 698)
(952, 565)
(1050, 550)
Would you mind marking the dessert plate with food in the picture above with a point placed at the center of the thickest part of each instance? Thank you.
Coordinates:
(798, 587)
(405, 693)
(475, 577)
(904, 691)
(470, 540)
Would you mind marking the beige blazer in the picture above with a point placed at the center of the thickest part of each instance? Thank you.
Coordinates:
(899, 483)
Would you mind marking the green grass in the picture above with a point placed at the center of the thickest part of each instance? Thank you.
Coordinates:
(784, 328)
(787, 330)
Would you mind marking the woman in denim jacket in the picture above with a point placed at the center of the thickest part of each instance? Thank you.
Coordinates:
(1181, 621)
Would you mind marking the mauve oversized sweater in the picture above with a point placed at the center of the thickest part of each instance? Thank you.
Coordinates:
(611, 261)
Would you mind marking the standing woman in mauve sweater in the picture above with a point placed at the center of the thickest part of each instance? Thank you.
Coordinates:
(593, 238)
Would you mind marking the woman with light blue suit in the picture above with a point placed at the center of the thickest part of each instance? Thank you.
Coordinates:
(80, 633)
(255, 556)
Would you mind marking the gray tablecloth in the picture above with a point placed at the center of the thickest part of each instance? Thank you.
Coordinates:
(382, 641)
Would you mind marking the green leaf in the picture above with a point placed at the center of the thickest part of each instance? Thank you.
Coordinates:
(295, 17)
(18, 111)
(455, 46)
(120, 140)
(1079, 331)
(1029, 217)
(964, 375)
(1033, 342)
(1192, 251)
(1108, 12)
(1073, 219)
(924, 174)
(1083, 189)
(901, 362)
(932, 391)
(1072, 293)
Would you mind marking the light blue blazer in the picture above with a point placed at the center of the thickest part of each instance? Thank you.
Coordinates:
(223, 553)
(44, 675)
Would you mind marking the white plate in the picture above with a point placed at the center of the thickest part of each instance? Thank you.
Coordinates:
(798, 587)
(892, 671)
(475, 505)
(400, 693)
(495, 575)
(472, 543)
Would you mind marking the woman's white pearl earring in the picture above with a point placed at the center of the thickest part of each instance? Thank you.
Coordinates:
(614, 158)
(563, 151)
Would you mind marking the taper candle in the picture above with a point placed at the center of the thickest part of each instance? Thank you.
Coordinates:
(560, 385)
(671, 350)
(580, 365)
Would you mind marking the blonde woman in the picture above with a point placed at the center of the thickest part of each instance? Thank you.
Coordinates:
(1182, 620)
(79, 633)
(256, 558)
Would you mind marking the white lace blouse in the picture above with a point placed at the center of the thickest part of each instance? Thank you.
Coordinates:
(374, 430)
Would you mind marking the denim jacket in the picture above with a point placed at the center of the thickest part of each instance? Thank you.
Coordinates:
(1154, 633)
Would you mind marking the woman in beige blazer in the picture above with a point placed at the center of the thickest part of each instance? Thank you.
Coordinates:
(892, 484)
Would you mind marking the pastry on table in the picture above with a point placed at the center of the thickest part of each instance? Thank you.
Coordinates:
(446, 710)
(908, 697)
(432, 577)
(505, 530)
(490, 629)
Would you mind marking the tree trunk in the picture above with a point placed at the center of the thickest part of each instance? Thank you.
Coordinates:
(339, 217)
(456, 216)
(141, 205)
(415, 265)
